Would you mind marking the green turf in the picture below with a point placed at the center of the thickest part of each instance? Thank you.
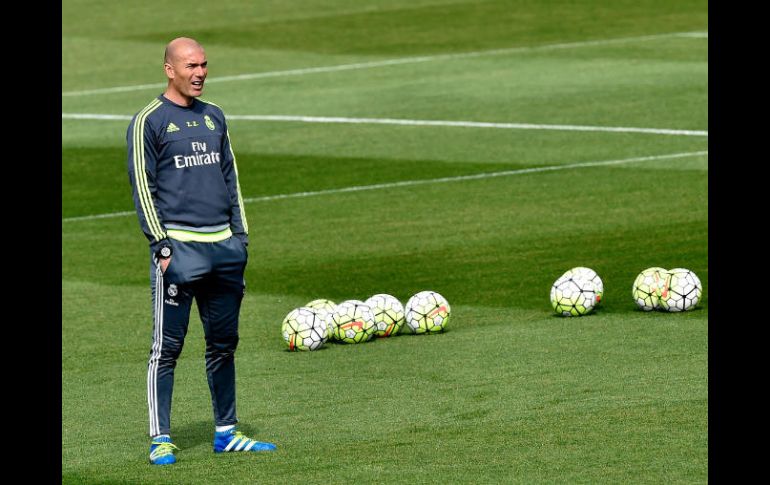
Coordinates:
(511, 393)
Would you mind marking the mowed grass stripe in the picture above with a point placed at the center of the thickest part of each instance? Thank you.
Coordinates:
(500, 242)
(409, 183)
(392, 62)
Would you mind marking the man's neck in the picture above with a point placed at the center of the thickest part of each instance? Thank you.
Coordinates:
(177, 98)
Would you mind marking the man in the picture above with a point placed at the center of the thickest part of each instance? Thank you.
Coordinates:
(185, 187)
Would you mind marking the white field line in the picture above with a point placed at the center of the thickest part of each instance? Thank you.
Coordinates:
(403, 122)
(468, 124)
(96, 116)
(409, 183)
(391, 62)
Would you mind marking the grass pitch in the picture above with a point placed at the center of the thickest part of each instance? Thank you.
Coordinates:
(488, 217)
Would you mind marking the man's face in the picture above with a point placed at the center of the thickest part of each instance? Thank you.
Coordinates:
(188, 70)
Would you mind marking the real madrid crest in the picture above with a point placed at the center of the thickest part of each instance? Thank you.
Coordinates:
(172, 291)
(209, 123)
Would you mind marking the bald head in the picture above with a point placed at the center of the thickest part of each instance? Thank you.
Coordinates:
(179, 47)
(186, 68)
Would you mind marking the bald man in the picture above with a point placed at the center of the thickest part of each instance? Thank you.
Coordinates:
(188, 200)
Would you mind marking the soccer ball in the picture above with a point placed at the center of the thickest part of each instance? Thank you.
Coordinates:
(303, 329)
(353, 322)
(682, 292)
(647, 288)
(325, 308)
(587, 274)
(388, 314)
(427, 311)
(573, 297)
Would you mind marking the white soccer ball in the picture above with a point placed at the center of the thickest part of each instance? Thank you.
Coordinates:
(303, 329)
(353, 321)
(573, 297)
(647, 287)
(325, 308)
(388, 314)
(427, 311)
(682, 291)
(588, 274)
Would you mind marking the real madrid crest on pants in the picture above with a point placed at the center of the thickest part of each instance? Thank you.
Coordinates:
(172, 292)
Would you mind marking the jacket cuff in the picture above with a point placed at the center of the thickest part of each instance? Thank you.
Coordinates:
(156, 245)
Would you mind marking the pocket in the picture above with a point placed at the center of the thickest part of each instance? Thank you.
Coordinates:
(160, 263)
(241, 247)
(245, 249)
(239, 243)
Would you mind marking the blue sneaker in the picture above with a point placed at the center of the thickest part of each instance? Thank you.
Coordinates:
(232, 440)
(162, 451)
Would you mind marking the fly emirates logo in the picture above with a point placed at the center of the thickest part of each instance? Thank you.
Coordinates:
(200, 157)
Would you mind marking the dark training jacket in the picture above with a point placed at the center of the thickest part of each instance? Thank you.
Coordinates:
(182, 171)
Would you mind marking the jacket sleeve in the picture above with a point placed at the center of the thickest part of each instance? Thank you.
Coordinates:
(238, 223)
(142, 167)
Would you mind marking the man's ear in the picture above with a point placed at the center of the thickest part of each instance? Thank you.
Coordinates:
(169, 70)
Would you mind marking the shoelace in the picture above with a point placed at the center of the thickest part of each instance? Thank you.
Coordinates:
(164, 448)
